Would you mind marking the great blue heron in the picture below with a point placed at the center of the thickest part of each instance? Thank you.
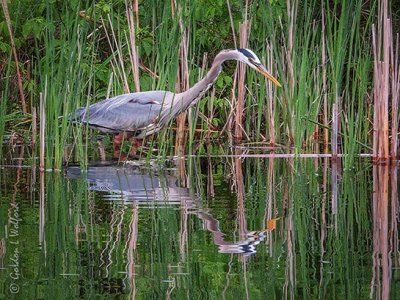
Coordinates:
(140, 114)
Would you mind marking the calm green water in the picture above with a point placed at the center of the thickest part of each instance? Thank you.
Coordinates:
(222, 228)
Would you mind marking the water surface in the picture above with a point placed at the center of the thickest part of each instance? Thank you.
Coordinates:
(209, 228)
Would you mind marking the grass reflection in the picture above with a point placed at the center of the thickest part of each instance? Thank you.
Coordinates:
(204, 232)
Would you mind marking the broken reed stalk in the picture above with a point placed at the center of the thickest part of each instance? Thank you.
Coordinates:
(136, 11)
(231, 114)
(324, 84)
(42, 112)
(132, 8)
(382, 42)
(14, 50)
(335, 128)
(182, 83)
(270, 102)
(229, 122)
(395, 101)
(244, 37)
(34, 127)
(375, 92)
(210, 105)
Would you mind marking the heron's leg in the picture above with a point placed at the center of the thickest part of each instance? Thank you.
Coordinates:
(117, 142)
(119, 138)
(101, 149)
(135, 144)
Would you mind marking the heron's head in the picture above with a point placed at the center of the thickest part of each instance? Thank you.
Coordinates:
(249, 57)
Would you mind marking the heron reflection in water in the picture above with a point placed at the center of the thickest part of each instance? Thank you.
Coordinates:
(140, 187)
(137, 115)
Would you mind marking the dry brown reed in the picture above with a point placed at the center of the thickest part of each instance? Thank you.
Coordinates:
(335, 128)
(42, 129)
(324, 83)
(386, 85)
(34, 127)
(395, 101)
(270, 102)
(182, 82)
(14, 50)
(133, 22)
(244, 40)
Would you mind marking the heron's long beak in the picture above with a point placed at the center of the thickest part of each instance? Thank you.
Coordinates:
(260, 68)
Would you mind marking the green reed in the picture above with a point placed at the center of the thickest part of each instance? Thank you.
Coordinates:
(64, 75)
(3, 106)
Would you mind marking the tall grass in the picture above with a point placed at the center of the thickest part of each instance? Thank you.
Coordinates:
(3, 105)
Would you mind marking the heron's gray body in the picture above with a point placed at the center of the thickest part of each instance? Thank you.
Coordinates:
(114, 115)
(145, 113)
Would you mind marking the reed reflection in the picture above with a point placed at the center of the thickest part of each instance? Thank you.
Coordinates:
(385, 237)
(288, 202)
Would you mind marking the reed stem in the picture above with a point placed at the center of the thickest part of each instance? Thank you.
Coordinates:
(244, 40)
(14, 50)
(42, 129)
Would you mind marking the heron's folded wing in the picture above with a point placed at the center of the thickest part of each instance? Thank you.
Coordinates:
(129, 112)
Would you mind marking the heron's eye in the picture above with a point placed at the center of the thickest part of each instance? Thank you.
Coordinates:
(252, 61)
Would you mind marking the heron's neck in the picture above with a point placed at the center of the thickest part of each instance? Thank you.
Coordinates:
(196, 92)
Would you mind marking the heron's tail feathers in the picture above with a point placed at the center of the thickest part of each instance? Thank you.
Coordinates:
(77, 116)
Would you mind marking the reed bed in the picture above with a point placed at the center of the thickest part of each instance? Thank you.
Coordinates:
(332, 95)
